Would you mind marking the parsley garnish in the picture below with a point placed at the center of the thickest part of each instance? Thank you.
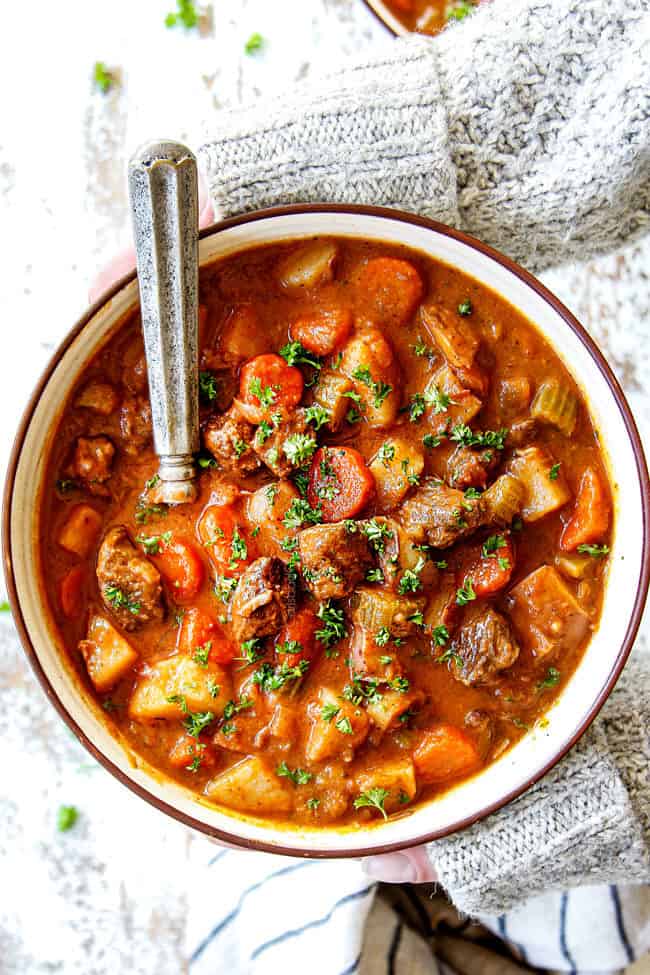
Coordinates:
(300, 512)
(269, 679)
(554, 471)
(466, 593)
(193, 722)
(461, 433)
(224, 587)
(313, 803)
(382, 636)
(201, 655)
(265, 394)
(432, 440)
(377, 534)
(343, 725)
(298, 776)
(207, 387)
(552, 678)
(254, 43)
(381, 390)
(151, 543)
(299, 447)
(66, 817)
(103, 78)
(118, 599)
(450, 655)
(465, 308)
(596, 551)
(374, 798)
(333, 629)
(317, 415)
(440, 635)
(491, 545)
(410, 580)
(295, 353)
(234, 707)
(186, 15)
(386, 453)
(374, 575)
(417, 407)
(420, 349)
(329, 711)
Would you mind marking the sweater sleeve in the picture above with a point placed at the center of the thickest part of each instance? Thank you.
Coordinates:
(586, 822)
(526, 125)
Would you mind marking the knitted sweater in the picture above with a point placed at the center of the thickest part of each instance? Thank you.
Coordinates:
(528, 126)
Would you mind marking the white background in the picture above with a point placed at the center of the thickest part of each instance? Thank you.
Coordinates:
(117, 890)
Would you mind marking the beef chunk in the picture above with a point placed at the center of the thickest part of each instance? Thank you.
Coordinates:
(259, 606)
(334, 560)
(470, 468)
(229, 437)
(485, 645)
(92, 461)
(285, 443)
(523, 432)
(441, 515)
(129, 584)
(135, 423)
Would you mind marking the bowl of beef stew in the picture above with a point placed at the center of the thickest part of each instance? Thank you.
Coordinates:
(416, 564)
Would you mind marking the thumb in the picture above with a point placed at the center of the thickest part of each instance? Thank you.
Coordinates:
(412, 866)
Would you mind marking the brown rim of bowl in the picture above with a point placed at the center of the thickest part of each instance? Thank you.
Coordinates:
(380, 17)
(641, 593)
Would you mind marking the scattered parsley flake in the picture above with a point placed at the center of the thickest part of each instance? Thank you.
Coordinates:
(373, 798)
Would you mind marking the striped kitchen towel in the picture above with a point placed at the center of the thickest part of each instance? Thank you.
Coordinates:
(261, 914)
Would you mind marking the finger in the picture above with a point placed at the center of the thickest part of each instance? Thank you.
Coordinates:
(407, 867)
(124, 262)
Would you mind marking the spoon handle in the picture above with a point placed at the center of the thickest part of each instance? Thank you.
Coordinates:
(163, 187)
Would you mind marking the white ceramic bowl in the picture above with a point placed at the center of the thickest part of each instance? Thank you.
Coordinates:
(629, 564)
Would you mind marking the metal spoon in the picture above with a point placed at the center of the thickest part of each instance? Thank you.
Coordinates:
(163, 188)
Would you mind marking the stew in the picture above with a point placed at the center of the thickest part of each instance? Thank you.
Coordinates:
(429, 16)
(397, 556)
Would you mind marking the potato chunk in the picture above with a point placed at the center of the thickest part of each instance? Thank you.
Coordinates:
(396, 467)
(397, 777)
(203, 688)
(107, 653)
(463, 406)
(270, 503)
(309, 266)
(339, 734)
(547, 616)
(389, 706)
(251, 786)
(544, 494)
(331, 393)
(81, 530)
(368, 360)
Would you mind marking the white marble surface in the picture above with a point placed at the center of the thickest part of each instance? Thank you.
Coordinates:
(115, 891)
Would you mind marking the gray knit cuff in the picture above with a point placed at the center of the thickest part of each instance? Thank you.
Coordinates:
(375, 132)
(585, 823)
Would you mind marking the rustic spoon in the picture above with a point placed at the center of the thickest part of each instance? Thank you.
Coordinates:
(163, 188)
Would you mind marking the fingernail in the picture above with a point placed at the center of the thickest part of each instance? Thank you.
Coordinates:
(392, 868)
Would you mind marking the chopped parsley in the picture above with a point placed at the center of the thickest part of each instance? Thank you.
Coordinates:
(119, 600)
(552, 678)
(374, 575)
(299, 447)
(410, 580)
(207, 386)
(440, 635)
(254, 43)
(251, 652)
(298, 776)
(382, 636)
(151, 543)
(201, 655)
(269, 679)
(554, 471)
(313, 803)
(265, 394)
(400, 684)
(66, 817)
(373, 798)
(380, 389)
(417, 406)
(377, 533)
(193, 722)
(144, 511)
(466, 593)
(206, 462)
(343, 725)
(238, 548)
(329, 711)
(420, 349)
(432, 440)
(214, 689)
(450, 655)
(465, 308)
(333, 629)
(458, 10)
(240, 447)
(596, 551)
(461, 433)
(295, 353)
(317, 415)
(224, 587)
(103, 78)
(362, 689)
(386, 453)
(491, 546)
(300, 512)
(186, 15)
(234, 707)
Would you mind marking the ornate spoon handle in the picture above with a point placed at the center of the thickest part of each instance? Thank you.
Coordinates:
(163, 188)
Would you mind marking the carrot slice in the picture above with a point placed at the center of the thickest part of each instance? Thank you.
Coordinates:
(267, 384)
(181, 567)
(444, 752)
(299, 633)
(224, 536)
(71, 591)
(340, 482)
(488, 566)
(390, 289)
(590, 518)
(323, 331)
(199, 630)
